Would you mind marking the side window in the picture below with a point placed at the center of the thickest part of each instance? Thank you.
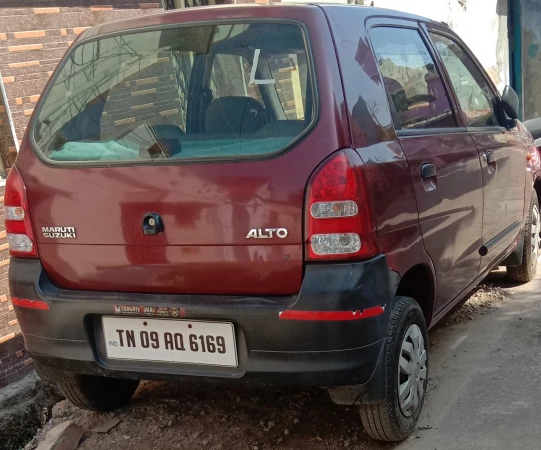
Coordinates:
(412, 80)
(476, 99)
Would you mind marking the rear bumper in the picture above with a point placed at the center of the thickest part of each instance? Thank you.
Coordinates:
(67, 338)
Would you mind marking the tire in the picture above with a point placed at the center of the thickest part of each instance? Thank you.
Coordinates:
(389, 420)
(530, 252)
(98, 393)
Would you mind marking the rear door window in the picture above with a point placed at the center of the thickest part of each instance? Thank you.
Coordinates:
(416, 90)
(202, 92)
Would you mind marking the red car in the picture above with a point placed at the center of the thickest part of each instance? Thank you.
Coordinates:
(534, 159)
(263, 194)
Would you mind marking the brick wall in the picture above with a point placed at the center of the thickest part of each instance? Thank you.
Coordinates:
(34, 34)
(8, 151)
(149, 93)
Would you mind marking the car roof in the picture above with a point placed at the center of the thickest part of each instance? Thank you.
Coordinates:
(224, 12)
(372, 11)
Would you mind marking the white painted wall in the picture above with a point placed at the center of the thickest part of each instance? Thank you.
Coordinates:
(482, 24)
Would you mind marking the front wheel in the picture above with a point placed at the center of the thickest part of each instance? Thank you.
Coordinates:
(530, 252)
(406, 375)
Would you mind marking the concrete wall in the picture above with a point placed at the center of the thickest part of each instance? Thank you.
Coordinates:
(530, 25)
(482, 24)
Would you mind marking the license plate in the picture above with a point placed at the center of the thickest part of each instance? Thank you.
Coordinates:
(180, 341)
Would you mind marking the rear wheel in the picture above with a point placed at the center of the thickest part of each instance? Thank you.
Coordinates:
(98, 393)
(406, 375)
(526, 271)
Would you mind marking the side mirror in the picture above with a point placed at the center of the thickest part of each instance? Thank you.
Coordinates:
(510, 103)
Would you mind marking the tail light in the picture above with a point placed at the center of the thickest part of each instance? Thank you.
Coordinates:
(18, 225)
(340, 222)
(533, 157)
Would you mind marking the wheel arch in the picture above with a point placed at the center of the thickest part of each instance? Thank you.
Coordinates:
(537, 188)
(419, 283)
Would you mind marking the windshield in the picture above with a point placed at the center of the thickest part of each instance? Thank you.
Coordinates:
(214, 91)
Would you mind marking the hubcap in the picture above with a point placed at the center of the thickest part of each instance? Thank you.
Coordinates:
(535, 230)
(412, 371)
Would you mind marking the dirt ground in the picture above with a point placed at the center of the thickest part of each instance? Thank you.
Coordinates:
(174, 416)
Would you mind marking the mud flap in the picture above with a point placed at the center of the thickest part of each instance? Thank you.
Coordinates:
(515, 258)
(369, 393)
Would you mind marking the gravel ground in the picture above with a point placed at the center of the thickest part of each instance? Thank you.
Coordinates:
(174, 416)
(483, 299)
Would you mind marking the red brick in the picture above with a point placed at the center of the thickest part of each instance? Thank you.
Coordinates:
(169, 112)
(25, 48)
(146, 105)
(7, 337)
(125, 121)
(101, 8)
(145, 92)
(80, 30)
(29, 34)
(46, 10)
(144, 81)
(23, 64)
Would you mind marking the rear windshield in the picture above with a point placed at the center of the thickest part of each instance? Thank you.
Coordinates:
(213, 91)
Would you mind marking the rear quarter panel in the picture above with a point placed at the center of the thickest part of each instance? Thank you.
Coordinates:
(533, 174)
(375, 140)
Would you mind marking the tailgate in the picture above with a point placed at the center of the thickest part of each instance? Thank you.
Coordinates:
(207, 211)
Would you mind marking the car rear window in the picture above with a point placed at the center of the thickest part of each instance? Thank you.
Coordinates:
(194, 92)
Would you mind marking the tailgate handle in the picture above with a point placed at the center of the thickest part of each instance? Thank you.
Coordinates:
(152, 224)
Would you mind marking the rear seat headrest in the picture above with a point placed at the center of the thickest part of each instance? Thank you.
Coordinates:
(235, 115)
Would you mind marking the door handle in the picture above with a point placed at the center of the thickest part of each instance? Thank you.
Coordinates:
(491, 157)
(428, 171)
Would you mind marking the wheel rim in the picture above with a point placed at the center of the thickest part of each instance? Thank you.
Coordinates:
(412, 371)
(534, 230)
